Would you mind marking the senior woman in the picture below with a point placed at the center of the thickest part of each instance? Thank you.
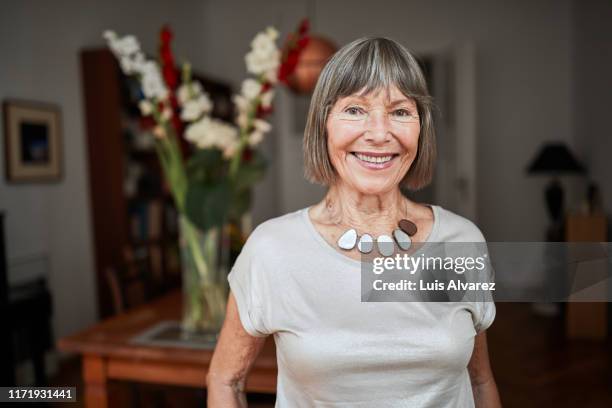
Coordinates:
(369, 132)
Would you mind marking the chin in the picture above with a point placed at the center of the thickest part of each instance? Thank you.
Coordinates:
(373, 186)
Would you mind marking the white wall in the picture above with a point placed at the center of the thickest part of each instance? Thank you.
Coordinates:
(39, 44)
(524, 96)
(523, 81)
(592, 90)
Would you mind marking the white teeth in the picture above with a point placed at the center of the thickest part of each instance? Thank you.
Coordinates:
(373, 159)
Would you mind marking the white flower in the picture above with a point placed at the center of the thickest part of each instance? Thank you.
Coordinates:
(150, 68)
(264, 42)
(258, 63)
(138, 61)
(153, 86)
(242, 120)
(241, 102)
(132, 64)
(127, 50)
(189, 91)
(266, 98)
(124, 46)
(262, 126)
(272, 33)
(109, 35)
(264, 57)
(146, 107)
(166, 113)
(250, 88)
(159, 132)
(208, 133)
(272, 75)
(255, 138)
(133, 61)
(230, 149)
(129, 44)
(194, 108)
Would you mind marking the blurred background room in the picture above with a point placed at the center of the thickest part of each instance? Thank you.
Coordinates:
(91, 229)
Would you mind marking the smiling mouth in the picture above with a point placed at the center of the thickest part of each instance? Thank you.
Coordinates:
(375, 158)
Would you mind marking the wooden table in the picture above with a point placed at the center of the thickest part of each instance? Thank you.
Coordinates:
(108, 354)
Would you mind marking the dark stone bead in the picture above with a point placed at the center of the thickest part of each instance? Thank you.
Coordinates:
(408, 227)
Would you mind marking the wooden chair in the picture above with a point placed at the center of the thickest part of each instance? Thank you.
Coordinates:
(134, 282)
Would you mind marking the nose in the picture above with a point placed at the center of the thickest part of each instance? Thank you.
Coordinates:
(378, 128)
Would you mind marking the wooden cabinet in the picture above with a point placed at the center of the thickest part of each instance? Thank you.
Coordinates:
(587, 320)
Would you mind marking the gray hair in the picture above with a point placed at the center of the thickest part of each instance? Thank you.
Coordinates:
(369, 64)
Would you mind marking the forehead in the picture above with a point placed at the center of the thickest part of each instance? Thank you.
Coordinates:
(383, 95)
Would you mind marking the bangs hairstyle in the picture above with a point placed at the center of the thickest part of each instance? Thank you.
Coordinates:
(368, 64)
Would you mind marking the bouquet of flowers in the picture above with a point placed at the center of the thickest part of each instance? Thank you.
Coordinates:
(214, 184)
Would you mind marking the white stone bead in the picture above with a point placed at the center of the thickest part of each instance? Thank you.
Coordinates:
(402, 239)
(365, 244)
(348, 239)
(385, 245)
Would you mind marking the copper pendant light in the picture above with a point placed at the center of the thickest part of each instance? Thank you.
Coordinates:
(312, 60)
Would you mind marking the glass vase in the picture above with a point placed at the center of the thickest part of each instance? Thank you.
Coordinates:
(205, 262)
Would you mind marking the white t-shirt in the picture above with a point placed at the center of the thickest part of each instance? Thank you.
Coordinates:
(335, 351)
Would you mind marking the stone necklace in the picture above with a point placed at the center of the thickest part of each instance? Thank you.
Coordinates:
(365, 244)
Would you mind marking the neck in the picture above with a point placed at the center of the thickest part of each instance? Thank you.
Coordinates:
(372, 213)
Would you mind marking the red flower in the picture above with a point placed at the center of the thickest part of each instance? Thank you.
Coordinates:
(165, 35)
(247, 154)
(169, 73)
(262, 112)
(265, 87)
(146, 122)
(304, 27)
(295, 44)
(169, 70)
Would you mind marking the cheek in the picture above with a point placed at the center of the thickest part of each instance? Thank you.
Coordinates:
(409, 139)
(339, 141)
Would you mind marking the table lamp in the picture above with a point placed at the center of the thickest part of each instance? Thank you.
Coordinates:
(555, 159)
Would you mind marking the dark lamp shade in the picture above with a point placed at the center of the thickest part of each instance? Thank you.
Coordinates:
(555, 158)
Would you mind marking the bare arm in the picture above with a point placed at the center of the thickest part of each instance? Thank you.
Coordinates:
(483, 383)
(234, 355)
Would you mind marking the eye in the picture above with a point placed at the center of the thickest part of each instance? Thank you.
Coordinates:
(354, 110)
(402, 113)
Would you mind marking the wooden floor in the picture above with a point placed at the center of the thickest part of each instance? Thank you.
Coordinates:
(129, 395)
(533, 364)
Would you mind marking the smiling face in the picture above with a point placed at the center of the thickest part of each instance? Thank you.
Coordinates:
(372, 139)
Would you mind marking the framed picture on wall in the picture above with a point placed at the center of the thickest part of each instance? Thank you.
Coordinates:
(32, 141)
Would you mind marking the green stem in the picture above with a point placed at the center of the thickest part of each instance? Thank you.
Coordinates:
(194, 247)
(171, 158)
(237, 158)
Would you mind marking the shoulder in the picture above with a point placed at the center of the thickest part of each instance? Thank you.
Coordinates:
(276, 230)
(454, 227)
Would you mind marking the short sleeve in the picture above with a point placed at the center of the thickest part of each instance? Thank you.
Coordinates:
(472, 244)
(247, 283)
(484, 316)
(485, 305)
